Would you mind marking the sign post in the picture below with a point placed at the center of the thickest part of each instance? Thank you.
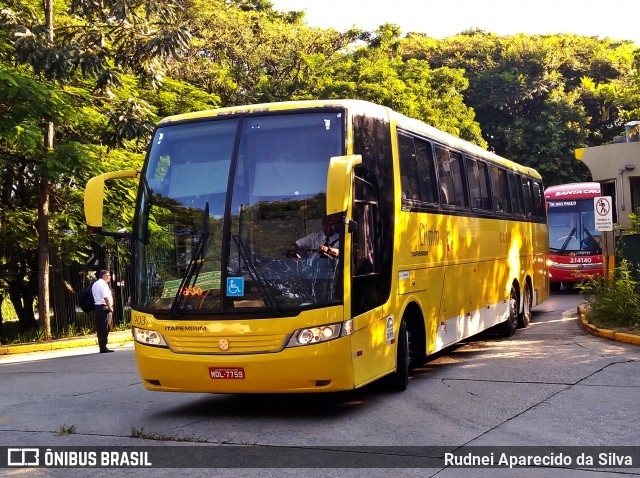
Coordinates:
(603, 213)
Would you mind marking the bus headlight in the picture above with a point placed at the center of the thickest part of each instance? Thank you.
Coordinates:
(148, 337)
(321, 333)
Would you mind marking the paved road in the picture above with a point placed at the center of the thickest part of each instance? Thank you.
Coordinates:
(550, 385)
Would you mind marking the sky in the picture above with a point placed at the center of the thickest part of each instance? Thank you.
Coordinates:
(442, 18)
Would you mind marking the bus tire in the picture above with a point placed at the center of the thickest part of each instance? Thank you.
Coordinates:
(554, 286)
(399, 379)
(524, 319)
(509, 326)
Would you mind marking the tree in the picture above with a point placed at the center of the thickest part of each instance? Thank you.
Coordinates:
(377, 72)
(538, 97)
(98, 40)
(246, 52)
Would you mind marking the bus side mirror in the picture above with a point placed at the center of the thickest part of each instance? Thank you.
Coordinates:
(94, 198)
(339, 181)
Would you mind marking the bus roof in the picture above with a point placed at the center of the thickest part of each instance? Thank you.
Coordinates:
(362, 107)
(573, 190)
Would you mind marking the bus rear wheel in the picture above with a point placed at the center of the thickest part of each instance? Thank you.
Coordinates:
(508, 327)
(399, 379)
(524, 319)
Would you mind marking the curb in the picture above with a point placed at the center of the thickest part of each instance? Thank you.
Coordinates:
(605, 333)
(118, 338)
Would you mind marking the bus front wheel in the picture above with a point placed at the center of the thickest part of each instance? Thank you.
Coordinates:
(399, 379)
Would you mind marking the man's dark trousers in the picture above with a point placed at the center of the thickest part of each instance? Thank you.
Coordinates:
(102, 318)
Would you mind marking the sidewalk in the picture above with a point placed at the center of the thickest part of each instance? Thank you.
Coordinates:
(115, 338)
(605, 333)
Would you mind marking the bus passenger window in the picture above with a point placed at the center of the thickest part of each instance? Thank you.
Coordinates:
(501, 202)
(539, 209)
(526, 193)
(515, 192)
(426, 172)
(478, 184)
(408, 168)
(452, 190)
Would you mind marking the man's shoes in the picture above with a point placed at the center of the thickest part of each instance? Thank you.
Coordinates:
(106, 351)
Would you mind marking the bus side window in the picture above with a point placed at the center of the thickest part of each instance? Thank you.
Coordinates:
(539, 210)
(501, 202)
(451, 179)
(365, 238)
(526, 193)
(408, 168)
(365, 215)
(515, 192)
(426, 172)
(478, 184)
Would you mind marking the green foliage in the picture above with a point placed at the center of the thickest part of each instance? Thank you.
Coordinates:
(112, 69)
(615, 301)
(11, 335)
(634, 221)
(140, 433)
(539, 97)
(253, 54)
(176, 97)
(378, 73)
(66, 429)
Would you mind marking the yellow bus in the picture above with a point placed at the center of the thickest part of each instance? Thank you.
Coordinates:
(432, 240)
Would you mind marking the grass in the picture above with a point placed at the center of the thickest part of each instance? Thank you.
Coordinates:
(604, 323)
(140, 433)
(66, 430)
(83, 325)
(614, 303)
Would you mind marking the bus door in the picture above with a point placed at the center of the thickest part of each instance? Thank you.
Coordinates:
(373, 344)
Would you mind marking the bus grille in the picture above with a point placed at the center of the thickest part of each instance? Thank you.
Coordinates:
(236, 344)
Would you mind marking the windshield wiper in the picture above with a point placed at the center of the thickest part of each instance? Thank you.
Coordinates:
(263, 289)
(598, 248)
(568, 240)
(194, 266)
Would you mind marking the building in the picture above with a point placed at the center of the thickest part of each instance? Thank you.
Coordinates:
(617, 168)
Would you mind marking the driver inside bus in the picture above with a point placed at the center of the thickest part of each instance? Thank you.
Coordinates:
(325, 242)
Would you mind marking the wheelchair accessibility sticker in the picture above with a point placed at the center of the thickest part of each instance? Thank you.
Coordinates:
(235, 286)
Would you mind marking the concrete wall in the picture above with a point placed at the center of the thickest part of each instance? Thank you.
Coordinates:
(608, 163)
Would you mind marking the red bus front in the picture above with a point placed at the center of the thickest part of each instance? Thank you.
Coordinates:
(575, 250)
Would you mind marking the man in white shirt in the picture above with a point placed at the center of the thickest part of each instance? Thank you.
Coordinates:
(103, 308)
(326, 241)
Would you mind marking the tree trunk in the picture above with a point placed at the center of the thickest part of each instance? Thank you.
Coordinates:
(43, 208)
(43, 247)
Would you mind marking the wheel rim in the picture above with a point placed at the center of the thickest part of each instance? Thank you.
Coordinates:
(513, 307)
(526, 311)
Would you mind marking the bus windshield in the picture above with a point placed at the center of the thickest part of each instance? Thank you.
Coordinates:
(224, 200)
(572, 227)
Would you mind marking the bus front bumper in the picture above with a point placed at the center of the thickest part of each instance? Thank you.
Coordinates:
(323, 367)
(573, 273)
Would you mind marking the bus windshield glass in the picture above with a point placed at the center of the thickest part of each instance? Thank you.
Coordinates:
(572, 227)
(223, 202)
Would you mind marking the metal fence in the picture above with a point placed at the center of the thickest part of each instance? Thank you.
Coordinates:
(628, 247)
(66, 283)
(65, 311)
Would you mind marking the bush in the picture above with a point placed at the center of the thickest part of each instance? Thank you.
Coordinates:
(616, 301)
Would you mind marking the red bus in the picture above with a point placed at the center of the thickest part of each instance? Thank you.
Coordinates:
(575, 250)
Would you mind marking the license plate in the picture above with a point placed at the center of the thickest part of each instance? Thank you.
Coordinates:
(226, 373)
